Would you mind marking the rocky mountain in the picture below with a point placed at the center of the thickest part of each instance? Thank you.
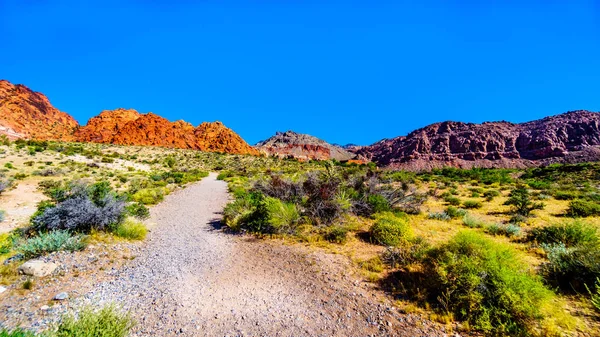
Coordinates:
(570, 137)
(28, 114)
(129, 127)
(302, 146)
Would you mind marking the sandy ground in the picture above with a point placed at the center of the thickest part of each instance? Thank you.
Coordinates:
(19, 204)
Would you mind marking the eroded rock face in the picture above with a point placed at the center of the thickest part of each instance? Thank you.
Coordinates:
(569, 137)
(28, 114)
(129, 127)
(302, 146)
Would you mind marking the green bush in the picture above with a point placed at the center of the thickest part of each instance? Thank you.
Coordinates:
(520, 200)
(470, 204)
(283, 216)
(583, 208)
(138, 210)
(571, 268)
(336, 234)
(485, 284)
(503, 229)
(454, 201)
(473, 222)
(150, 196)
(390, 230)
(378, 203)
(225, 174)
(491, 194)
(235, 212)
(566, 195)
(570, 233)
(442, 216)
(106, 322)
(454, 212)
(51, 242)
(131, 230)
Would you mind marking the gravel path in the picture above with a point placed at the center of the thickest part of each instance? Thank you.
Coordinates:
(191, 279)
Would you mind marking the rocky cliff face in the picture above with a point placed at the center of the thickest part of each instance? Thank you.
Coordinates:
(569, 137)
(302, 146)
(28, 114)
(129, 127)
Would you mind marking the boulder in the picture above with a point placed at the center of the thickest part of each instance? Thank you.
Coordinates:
(37, 268)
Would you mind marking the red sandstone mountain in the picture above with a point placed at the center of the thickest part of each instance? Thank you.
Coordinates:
(128, 127)
(28, 114)
(302, 146)
(570, 137)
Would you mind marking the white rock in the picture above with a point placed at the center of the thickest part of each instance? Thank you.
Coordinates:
(2, 289)
(37, 268)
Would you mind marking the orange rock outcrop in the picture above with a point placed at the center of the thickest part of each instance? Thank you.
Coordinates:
(28, 114)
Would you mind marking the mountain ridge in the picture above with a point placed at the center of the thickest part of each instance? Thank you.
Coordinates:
(290, 144)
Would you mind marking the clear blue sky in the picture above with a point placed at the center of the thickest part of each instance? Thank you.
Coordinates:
(347, 72)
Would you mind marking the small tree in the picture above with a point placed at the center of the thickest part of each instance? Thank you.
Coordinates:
(520, 199)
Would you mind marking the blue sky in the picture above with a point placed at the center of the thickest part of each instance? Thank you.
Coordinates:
(344, 71)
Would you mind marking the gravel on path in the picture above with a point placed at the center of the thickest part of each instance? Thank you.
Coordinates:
(193, 279)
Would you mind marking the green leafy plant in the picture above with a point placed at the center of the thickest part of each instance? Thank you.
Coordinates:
(470, 204)
(570, 233)
(390, 230)
(583, 208)
(106, 322)
(336, 234)
(49, 242)
(595, 296)
(521, 201)
(138, 210)
(131, 230)
(503, 229)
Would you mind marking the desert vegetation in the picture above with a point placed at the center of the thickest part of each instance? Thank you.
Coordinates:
(500, 251)
(503, 251)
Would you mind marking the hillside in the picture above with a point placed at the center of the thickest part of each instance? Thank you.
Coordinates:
(302, 146)
(570, 137)
(28, 114)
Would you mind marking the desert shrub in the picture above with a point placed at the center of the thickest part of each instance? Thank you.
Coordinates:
(566, 195)
(378, 203)
(406, 254)
(454, 201)
(374, 265)
(470, 204)
(107, 160)
(258, 219)
(583, 208)
(442, 216)
(225, 174)
(16, 333)
(491, 194)
(570, 233)
(235, 212)
(138, 210)
(9, 166)
(521, 201)
(282, 216)
(473, 222)
(50, 242)
(571, 268)
(484, 283)
(336, 234)
(390, 230)
(503, 229)
(454, 212)
(170, 162)
(4, 185)
(131, 230)
(320, 202)
(280, 188)
(80, 213)
(106, 322)
(595, 296)
(149, 196)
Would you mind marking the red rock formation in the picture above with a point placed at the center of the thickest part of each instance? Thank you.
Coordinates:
(128, 127)
(302, 146)
(569, 137)
(28, 114)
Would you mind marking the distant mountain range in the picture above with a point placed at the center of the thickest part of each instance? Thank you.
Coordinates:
(570, 137)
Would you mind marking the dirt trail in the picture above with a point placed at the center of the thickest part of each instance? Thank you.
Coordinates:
(194, 280)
